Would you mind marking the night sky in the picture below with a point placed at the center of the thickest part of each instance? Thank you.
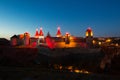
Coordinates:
(73, 16)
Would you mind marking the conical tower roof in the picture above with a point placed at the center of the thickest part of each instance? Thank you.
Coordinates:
(58, 32)
(48, 35)
(36, 33)
(41, 32)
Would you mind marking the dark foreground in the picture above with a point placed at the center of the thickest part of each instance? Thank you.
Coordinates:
(23, 64)
(37, 73)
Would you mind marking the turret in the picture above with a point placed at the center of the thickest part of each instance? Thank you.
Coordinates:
(89, 37)
(36, 34)
(58, 32)
(67, 38)
(41, 32)
(26, 39)
(41, 37)
(89, 32)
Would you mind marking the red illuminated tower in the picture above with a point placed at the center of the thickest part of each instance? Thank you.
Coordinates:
(36, 34)
(41, 32)
(58, 32)
(41, 37)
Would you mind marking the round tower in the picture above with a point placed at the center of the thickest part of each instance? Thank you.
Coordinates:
(89, 32)
(89, 37)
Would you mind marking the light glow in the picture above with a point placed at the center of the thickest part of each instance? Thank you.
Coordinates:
(21, 36)
(91, 33)
(86, 34)
(108, 40)
(94, 41)
(99, 43)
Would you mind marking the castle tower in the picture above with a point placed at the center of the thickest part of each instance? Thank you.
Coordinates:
(58, 32)
(26, 39)
(41, 33)
(41, 37)
(36, 34)
(67, 38)
(89, 37)
(89, 32)
(14, 40)
(49, 41)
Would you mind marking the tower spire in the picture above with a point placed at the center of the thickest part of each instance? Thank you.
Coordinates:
(41, 32)
(48, 35)
(58, 32)
(36, 33)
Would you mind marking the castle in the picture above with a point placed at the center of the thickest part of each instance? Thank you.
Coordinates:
(59, 41)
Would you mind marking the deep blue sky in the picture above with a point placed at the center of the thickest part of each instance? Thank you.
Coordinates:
(74, 16)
